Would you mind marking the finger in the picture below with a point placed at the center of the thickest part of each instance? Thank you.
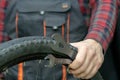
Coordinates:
(82, 75)
(88, 69)
(94, 71)
(98, 63)
(80, 58)
(89, 58)
(101, 57)
(99, 50)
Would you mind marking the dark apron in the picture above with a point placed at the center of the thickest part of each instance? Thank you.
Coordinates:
(31, 16)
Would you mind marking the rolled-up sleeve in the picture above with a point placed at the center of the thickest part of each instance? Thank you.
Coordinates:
(103, 21)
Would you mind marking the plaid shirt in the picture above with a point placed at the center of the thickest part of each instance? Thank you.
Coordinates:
(100, 16)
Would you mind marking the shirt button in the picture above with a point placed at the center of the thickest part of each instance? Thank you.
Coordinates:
(42, 12)
(55, 27)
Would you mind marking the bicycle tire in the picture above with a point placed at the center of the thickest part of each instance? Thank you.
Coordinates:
(30, 48)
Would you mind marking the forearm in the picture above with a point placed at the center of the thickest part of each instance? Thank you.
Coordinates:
(103, 21)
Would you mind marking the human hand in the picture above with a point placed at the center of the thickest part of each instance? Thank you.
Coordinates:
(88, 60)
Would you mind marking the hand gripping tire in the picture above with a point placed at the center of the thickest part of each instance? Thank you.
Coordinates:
(35, 47)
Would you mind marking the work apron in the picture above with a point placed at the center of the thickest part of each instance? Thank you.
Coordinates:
(43, 18)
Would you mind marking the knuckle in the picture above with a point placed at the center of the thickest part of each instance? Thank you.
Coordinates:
(98, 66)
(102, 59)
(99, 63)
(92, 50)
(92, 53)
(82, 70)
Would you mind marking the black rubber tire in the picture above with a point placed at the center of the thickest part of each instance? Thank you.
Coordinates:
(30, 48)
(34, 47)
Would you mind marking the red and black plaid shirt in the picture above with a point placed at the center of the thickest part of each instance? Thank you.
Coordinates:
(101, 22)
